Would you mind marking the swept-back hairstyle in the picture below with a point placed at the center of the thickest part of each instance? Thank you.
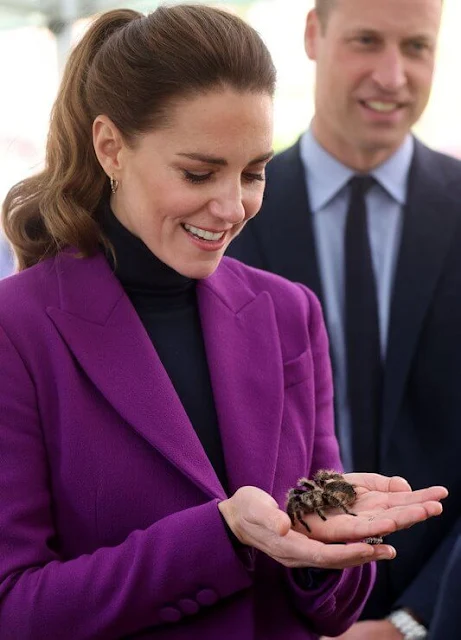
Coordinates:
(323, 9)
(131, 68)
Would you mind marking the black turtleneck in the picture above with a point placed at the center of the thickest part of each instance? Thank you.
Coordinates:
(167, 306)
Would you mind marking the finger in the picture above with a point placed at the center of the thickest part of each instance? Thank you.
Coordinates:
(397, 518)
(384, 552)
(397, 483)
(296, 550)
(273, 519)
(337, 556)
(407, 516)
(373, 481)
(413, 497)
(378, 523)
(279, 523)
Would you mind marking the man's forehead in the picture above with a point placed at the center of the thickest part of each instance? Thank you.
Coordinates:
(416, 16)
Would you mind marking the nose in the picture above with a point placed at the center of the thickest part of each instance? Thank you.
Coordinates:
(389, 72)
(228, 205)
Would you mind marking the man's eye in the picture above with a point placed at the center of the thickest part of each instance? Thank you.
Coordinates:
(417, 47)
(366, 40)
(196, 178)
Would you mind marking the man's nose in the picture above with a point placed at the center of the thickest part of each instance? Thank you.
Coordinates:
(389, 73)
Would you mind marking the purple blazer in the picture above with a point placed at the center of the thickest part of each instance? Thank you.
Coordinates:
(109, 526)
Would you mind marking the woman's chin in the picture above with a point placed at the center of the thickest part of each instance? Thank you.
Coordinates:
(198, 270)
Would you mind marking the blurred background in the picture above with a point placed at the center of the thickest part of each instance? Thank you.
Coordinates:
(35, 37)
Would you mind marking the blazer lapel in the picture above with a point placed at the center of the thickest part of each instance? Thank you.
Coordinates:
(108, 340)
(244, 356)
(285, 223)
(431, 215)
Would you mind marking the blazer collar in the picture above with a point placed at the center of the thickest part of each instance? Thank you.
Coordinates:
(108, 340)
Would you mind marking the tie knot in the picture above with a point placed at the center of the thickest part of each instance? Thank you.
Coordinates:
(360, 184)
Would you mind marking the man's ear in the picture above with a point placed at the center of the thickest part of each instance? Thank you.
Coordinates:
(312, 34)
(108, 144)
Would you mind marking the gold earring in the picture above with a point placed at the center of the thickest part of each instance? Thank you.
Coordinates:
(113, 184)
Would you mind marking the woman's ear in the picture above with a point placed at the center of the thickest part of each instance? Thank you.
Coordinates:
(108, 144)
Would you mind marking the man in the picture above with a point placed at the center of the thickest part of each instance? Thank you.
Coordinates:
(389, 278)
(6, 258)
(446, 624)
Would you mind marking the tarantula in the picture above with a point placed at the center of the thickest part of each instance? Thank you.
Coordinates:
(327, 490)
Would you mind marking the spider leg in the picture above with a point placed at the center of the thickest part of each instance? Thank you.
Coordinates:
(299, 516)
(291, 513)
(346, 510)
(320, 513)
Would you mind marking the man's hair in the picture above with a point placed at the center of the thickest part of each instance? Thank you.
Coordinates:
(323, 9)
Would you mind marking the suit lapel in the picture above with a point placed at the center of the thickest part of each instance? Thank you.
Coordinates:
(430, 218)
(109, 342)
(245, 361)
(285, 222)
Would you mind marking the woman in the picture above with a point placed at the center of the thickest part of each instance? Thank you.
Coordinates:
(158, 401)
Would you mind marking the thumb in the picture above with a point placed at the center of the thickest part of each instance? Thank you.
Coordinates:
(280, 523)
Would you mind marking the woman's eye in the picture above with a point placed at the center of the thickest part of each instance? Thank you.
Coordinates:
(254, 177)
(196, 178)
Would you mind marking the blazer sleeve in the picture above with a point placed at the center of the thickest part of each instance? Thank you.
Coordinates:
(335, 600)
(421, 595)
(112, 592)
(446, 621)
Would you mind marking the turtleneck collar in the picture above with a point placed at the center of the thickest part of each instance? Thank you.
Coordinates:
(140, 272)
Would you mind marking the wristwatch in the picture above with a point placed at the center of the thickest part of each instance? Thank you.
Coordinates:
(407, 625)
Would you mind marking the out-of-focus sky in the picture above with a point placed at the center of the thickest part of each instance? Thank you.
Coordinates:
(29, 76)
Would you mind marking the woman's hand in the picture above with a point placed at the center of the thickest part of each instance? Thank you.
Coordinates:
(384, 505)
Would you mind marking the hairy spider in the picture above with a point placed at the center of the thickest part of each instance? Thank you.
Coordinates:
(328, 490)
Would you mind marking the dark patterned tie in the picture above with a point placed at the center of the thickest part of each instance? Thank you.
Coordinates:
(363, 353)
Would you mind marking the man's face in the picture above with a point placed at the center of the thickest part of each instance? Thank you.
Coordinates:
(375, 63)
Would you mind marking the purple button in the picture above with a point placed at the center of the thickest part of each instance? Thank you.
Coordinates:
(189, 607)
(207, 597)
(170, 614)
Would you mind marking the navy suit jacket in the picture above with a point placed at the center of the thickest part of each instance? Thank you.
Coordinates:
(446, 624)
(420, 433)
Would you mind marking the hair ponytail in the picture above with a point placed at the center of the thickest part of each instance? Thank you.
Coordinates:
(131, 68)
(53, 209)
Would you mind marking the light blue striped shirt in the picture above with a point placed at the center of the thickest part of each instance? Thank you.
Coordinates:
(326, 180)
(6, 258)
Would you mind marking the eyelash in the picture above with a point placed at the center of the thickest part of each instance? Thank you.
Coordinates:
(201, 178)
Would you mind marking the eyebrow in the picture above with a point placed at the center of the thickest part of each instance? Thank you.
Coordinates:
(362, 30)
(222, 162)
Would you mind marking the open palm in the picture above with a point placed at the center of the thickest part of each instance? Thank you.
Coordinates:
(383, 506)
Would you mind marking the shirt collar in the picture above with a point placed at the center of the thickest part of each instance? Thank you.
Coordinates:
(327, 176)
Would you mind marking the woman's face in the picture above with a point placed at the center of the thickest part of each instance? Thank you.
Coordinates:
(188, 189)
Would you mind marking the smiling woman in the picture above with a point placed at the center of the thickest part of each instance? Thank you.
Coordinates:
(185, 202)
(157, 400)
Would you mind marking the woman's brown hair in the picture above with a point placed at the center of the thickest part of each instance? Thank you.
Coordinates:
(131, 68)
